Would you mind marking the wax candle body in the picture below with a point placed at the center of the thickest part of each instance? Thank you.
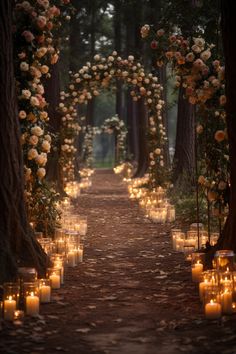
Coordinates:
(9, 309)
(80, 255)
(71, 259)
(55, 281)
(32, 305)
(197, 272)
(226, 302)
(212, 310)
(45, 293)
(83, 229)
(202, 287)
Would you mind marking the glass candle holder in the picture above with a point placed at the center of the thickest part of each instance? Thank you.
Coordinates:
(44, 290)
(212, 302)
(54, 274)
(83, 225)
(171, 213)
(31, 298)
(224, 260)
(11, 295)
(226, 294)
(58, 261)
(72, 255)
(179, 242)
(27, 274)
(80, 253)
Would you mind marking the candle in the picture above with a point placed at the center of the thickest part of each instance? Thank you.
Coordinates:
(45, 293)
(55, 281)
(80, 254)
(32, 304)
(197, 269)
(83, 229)
(59, 265)
(71, 258)
(226, 301)
(212, 310)
(9, 309)
(202, 287)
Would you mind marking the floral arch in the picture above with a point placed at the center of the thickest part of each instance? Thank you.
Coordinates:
(101, 74)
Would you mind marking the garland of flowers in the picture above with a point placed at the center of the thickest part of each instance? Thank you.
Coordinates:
(199, 71)
(35, 52)
(101, 74)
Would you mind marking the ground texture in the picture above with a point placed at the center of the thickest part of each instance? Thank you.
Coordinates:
(132, 294)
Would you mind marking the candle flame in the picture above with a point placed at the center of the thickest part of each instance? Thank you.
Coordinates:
(10, 298)
(212, 301)
(32, 293)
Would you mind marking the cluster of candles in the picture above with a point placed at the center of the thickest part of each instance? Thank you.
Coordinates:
(154, 203)
(86, 181)
(193, 239)
(64, 250)
(217, 286)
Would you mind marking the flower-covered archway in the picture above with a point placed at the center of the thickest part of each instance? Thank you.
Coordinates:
(90, 80)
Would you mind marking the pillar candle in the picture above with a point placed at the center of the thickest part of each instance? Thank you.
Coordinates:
(197, 272)
(55, 281)
(71, 257)
(226, 302)
(83, 229)
(32, 305)
(45, 293)
(80, 254)
(212, 310)
(9, 309)
(202, 287)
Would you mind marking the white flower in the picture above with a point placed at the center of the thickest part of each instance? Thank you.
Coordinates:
(48, 138)
(205, 55)
(24, 66)
(34, 101)
(36, 130)
(26, 94)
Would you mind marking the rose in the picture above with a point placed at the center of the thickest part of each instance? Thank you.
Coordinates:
(41, 22)
(29, 37)
(24, 66)
(32, 154)
(205, 55)
(145, 31)
(26, 94)
(34, 101)
(41, 173)
(46, 146)
(44, 69)
(41, 159)
(41, 52)
(219, 136)
(36, 130)
(153, 44)
(33, 140)
(22, 114)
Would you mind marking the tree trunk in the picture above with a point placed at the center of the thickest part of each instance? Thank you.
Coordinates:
(142, 138)
(52, 96)
(17, 245)
(184, 157)
(228, 239)
(117, 42)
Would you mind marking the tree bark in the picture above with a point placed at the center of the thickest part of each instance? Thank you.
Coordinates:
(228, 238)
(117, 42)
(184, 157)
(17, 245)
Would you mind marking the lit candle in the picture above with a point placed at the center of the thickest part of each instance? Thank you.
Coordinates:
(71, 258)
(9, 309)
(55, 281)
(45, 293)
(212, 310)
(32, 304)
(80, 254)
(59, 265)
(197, 269)
(202, 287)
(226, 301)
(83, 228)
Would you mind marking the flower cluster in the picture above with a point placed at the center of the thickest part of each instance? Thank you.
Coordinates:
(35, 52)
(199, 71)
(102, 73)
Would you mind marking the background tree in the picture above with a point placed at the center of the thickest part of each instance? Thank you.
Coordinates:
(17, 243)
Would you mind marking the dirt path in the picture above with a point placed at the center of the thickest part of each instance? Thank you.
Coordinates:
(132, 294)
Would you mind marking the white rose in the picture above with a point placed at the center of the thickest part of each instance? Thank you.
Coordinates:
(24, 66)
(36, 130)
(41, 159)
(34, 101)
(26, 94)
(46, 146)
(41, 173)
(22, 114)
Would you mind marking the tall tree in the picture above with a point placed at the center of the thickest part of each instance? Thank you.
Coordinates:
(17, 245)
(228, 238)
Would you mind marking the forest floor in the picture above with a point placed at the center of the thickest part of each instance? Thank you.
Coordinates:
(132, 294)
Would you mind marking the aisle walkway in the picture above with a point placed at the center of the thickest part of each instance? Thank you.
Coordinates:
(132, 294)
